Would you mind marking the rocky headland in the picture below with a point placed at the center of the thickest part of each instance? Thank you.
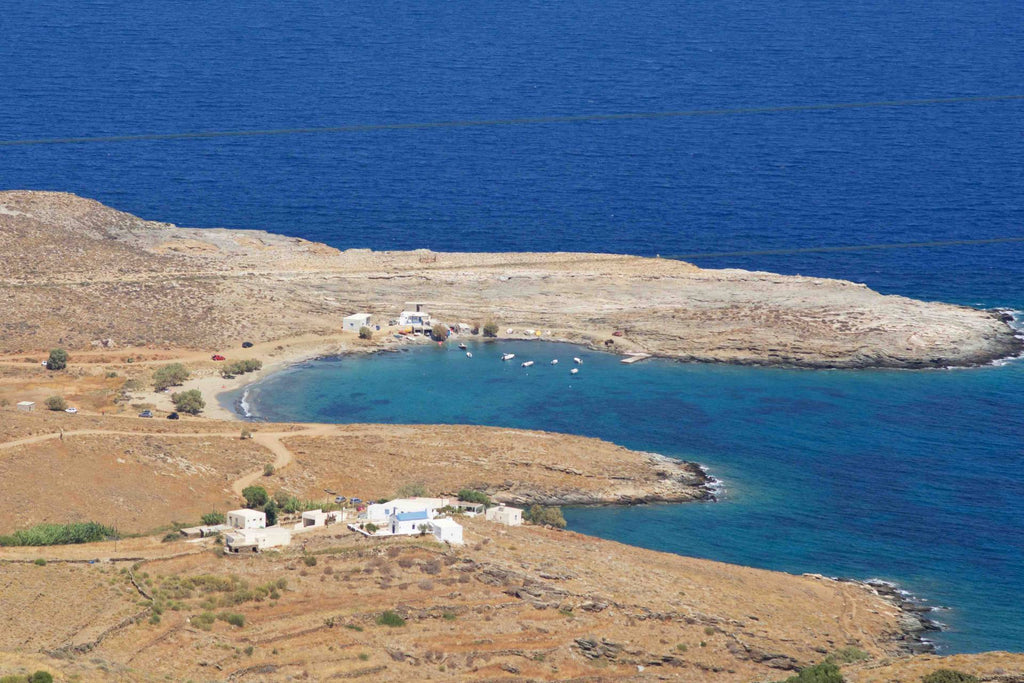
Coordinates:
(88, 275)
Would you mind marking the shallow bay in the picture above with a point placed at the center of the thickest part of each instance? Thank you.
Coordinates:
(913, 477)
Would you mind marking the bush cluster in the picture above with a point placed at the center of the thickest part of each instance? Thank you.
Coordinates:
(473, 496)
(59, 534)
(255, 497)
(213, 518)
(949, 676)
(390, 618)
(824, 672)
(240, 367)
(365, 332)
(56, 403)
(169, 376)
(540, 514)
(439, 332)
(490, 329)
(58, 360)
(190, 401)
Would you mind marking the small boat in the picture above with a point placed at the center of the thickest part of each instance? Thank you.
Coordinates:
(577, 361)
(508, 356)
(469, 354)
(574, 371)
(554, 362)
(527, 363)
(462, 346)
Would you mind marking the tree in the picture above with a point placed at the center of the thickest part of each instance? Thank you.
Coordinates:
(56, 403)
(472, 496)
(58, 360)
(270, 510)
(439, 332)
(825, 672)
(538, 514)
(169, 376)
(255, 496)
(365, 332)
(490, 329)
(190, 401)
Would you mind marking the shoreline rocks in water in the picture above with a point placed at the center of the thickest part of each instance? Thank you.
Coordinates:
(912, 620)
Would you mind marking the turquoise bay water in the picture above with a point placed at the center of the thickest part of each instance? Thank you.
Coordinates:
(915, 477)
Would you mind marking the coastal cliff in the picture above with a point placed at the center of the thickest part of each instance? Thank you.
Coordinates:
(65, 259)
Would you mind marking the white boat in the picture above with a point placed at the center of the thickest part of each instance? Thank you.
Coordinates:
(554, 362)
(577, 361)
(508, 356)
(574, 371)
(462, 346)
(527, 363)
(469, 354)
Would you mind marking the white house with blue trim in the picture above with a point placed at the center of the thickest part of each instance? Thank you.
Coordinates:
(403, 523)
(381, 512)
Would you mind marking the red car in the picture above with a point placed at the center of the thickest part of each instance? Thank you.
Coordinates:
(217, 356)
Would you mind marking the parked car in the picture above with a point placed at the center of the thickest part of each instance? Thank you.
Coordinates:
(146, 413)
(217, 356)
(71, 410)
(246, 345)
(339, 499)
(172, 416)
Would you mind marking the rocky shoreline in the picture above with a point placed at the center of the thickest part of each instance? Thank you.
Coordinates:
(675, 481)
(913, 620)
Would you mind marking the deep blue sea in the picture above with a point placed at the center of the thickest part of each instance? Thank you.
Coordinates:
(911, 476)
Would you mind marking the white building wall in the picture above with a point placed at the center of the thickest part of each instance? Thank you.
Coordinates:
(446, 530)
(247, 519)
(352, 323)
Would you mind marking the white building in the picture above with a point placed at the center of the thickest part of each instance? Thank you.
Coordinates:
(419, 321)
(408, 523)
(255, 540)
(470, 509)
(313, 518)
(381, 512)
(26, 405)
(354, 322)
(247, 519)
(502, 514)
(446, 530)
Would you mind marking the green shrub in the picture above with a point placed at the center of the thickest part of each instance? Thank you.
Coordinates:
(213, 518)
(448, 616)
(169, 376)
(439, 332)
(310, 560)
(233, 618)
(363, 656)
(41, 677)
(949, 676)
(371, 528)
(354, 627)
(270, 510)
(490, 329)
(40, 562)
(365, 332)
(472, 496)
(190, 401)
(824, 672)
(255, 496)
(56, 403)
(240, 367)
(539, 514)
(268, 470)
(390, 618)
(58, 360)
(59, 534)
